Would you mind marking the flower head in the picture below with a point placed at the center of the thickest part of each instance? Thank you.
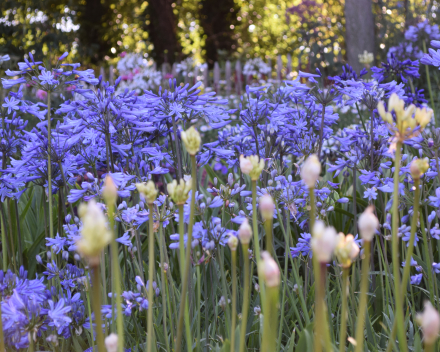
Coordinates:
(323, 241)
(346, 249)
(252, 166)
(429, 321)
(148, 191)
(111, 343)
(368, 224)
(245, 232)
(270, 270)
(311, 170)
(191, 138)
(94, 232)
(267, 207)
(179, 191)
(405, 125)
(418, 167)
(233, 242)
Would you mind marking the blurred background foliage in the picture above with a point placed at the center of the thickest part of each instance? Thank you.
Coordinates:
(97, 31)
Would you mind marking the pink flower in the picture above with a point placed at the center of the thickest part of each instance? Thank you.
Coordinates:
(123, 54)
(41, 94)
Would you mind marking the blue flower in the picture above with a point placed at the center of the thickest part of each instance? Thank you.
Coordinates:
(58, 314)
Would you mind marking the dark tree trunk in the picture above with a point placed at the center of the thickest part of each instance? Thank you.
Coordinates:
(163, 31)
(217, 18)
(95, 17)
(359, 30)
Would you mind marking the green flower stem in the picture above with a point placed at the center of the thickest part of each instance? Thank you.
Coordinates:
(116, 275)
(363, 298)
(269, 238)
(270, 319)
(234, 297)
(343, 326)
(428, 78)
(428, 258)
(395, 253)
(429, 347)
(181, 240)
(49, 167)
(183, 310)
(245, 308)
(164, 294)
(257, 240)
(96, 303)
(319, 293)
(89, 310)
(410, 251)
(198, 303)
(150, 328)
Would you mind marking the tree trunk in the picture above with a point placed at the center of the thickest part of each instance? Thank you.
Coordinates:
(162, 30)
(359, 30)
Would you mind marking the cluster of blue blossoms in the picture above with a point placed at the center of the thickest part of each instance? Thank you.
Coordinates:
(133, 138)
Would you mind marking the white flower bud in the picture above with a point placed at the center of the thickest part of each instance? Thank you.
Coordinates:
(94, 232)
(111, 343)
(267, 207)
(311, 170)
(252, 166)
(233, 242)
(429, 321)
(110, 192)
(148, 191)
(270, 270)
(245, 232)
(346, 249)
(368, 224)
(179, 191)
(323, 241)
(192, 140)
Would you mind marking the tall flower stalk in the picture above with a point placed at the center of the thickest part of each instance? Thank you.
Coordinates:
(233, 244)
(110, 195)
(191, 138)
(245, 235)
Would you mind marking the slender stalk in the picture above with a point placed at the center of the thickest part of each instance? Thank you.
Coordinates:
(184, 299)
(49, 167)
(270, 320)
(164, 294)
(363, 299)
(150, 328)
(198, 303)
(245, 308)
(116, 275)
(89, 311)
(343, 325)
(96, 303)
(234, 297)
(372, 141)
(257, 238)
(395, 253)
(269, 238)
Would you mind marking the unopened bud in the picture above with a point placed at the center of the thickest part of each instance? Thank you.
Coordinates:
(245, 232)
(368, 224)
(111, 343)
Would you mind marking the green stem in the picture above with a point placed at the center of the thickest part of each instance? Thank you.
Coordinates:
(245, 308)
(234, 297)
(164, 294)
(428, 258)
(269, 238)
(257, 239)
(96, 303)
(343, 326)
(116, 275)
(363, 299)
(150, 331)
(270, 323)
(89, 309)
(183, 310)
(395, 253)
